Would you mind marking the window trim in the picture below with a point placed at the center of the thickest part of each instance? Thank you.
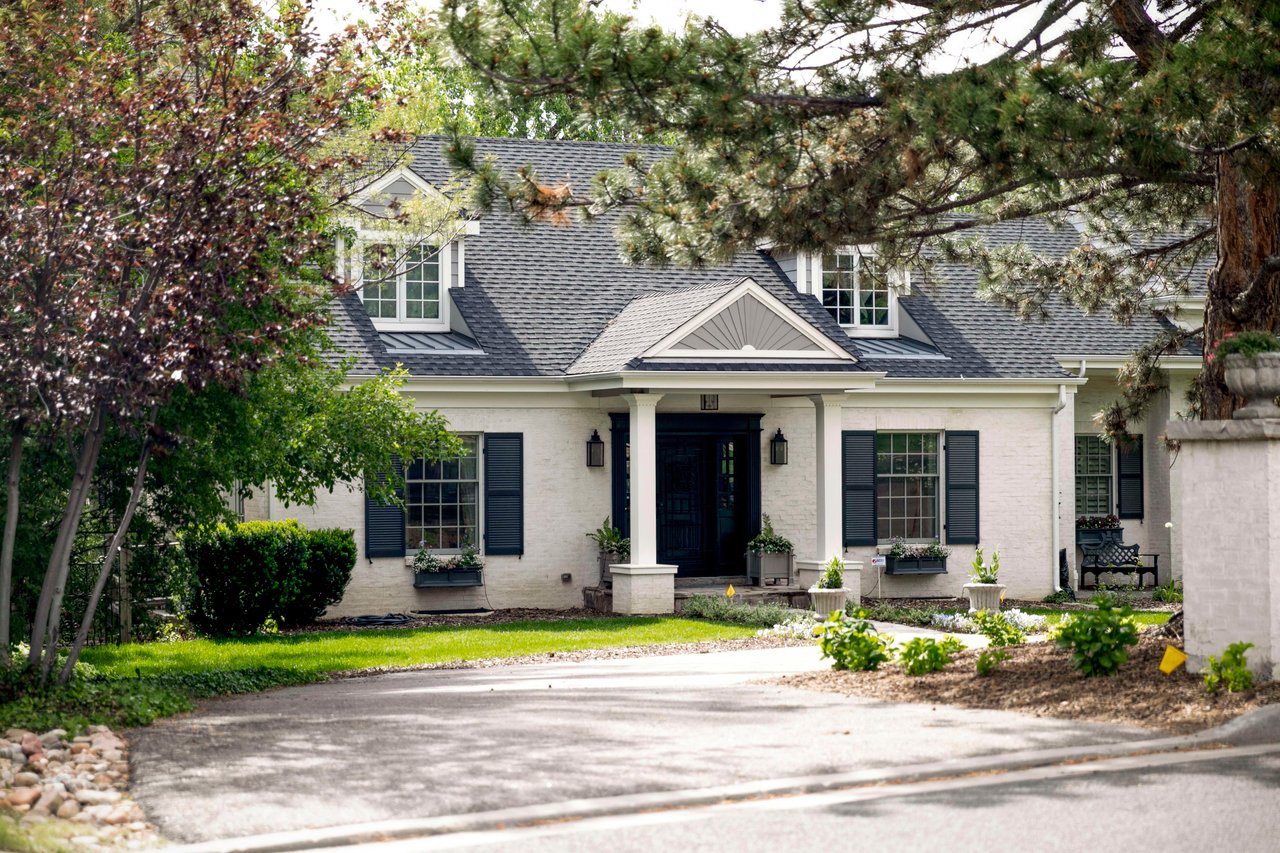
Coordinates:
(1111, 475)
(939, 521)
(351, 258)
(899, 280)
(479, 543)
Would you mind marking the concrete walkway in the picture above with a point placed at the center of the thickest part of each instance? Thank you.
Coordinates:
(446, 742)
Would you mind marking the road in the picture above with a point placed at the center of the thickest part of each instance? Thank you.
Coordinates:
(446, 742)
(1215, 800)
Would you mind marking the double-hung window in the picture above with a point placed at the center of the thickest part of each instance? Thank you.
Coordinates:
(856, 289)
(1093, 476)
(907, 485)
(442, 500)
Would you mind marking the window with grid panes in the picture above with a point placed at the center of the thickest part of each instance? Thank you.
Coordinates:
(907, 485)
(442, 500)
(855, 289)
(1093, 476)
(390, 272)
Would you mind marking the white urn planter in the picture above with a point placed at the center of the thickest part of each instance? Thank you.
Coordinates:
(984, 596)
(826, 600)
(1257, 379)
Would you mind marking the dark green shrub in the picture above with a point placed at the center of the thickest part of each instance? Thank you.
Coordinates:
(989, 660)
(1098, 638)
(998, 630)
(1231, 672)
(923, 655)
(854, 643)
(244, 573)
(331, 555)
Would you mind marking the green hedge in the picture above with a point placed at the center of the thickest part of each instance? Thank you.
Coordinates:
(245, 574)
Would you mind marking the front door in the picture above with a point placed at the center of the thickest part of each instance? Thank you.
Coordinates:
(701, 512)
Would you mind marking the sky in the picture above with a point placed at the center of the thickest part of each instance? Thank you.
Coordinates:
(739, 16)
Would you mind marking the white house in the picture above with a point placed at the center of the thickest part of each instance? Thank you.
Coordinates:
(908, 409)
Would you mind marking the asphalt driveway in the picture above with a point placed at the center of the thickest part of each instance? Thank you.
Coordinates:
(447, 741)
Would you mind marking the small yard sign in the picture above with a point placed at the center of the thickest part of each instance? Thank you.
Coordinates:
(729, 593)
(1173, 658)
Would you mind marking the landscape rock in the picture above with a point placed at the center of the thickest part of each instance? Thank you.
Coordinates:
(25, 780)
(92, 797)
(24, 796)
(53, 737)
(68, 809)
(31, 744)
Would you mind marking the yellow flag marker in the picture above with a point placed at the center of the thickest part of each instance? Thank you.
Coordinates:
(1173, 658)
(729, 592)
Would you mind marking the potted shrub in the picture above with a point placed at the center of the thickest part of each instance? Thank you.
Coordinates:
(1251, 369)
(465, 569)
(769, 556)
(828, 595)
(1098, 530)
(985, 592)
(613, 548)
(904, 559)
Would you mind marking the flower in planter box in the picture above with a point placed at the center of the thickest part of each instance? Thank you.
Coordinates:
(425, 561)
(1097, 522)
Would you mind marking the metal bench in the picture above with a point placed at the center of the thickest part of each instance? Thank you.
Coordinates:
(1119, 559)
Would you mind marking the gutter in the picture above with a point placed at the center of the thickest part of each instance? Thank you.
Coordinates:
(1055, 510)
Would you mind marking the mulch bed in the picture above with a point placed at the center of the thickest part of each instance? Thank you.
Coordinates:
(1040, 679)
(1134, 601)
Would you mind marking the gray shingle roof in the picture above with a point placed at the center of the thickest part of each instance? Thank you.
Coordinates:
(537, 297)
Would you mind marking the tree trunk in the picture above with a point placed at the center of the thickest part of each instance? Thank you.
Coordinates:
(1244, 289)
(86, 622)
(10, 534)
(44, 629)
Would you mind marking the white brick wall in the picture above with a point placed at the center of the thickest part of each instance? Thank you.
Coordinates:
(564, 499)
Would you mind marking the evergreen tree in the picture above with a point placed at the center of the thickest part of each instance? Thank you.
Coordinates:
(1150, 125)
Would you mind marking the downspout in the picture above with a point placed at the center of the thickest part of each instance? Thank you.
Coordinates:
(1055, 538)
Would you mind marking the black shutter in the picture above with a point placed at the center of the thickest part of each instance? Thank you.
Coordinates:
(1129, 466)
(504, 493)
(384, 523)
(961, 448)
(858, 467)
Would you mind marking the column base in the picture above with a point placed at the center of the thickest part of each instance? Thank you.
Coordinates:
(809, 571)
(647, 589)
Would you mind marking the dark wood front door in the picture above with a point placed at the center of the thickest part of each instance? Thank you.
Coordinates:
(701, 512)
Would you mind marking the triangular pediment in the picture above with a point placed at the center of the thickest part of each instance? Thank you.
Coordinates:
(747, 322)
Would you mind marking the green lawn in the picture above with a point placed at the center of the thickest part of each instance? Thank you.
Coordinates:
(338, 651)
(1142, 617)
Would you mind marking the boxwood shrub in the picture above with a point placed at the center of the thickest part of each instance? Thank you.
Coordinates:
(249, 572)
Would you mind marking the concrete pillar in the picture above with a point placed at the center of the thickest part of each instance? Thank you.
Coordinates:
(1228, 530)
(644, 585)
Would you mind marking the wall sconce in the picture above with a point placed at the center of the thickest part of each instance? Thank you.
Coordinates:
(778, 449)
(710, 402)
(595, 450)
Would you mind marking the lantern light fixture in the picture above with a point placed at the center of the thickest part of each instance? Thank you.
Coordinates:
(595, 450)
(778, 449)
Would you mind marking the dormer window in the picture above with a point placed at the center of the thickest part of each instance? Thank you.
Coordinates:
(402, 284)
(858, 290)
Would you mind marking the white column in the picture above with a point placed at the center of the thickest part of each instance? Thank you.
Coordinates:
(827, 476)
(644, 478)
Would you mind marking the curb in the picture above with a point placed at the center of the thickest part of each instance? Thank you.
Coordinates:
(1255, 727)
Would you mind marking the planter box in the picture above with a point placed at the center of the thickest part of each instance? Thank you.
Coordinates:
(447, 579)
(1100, 536)
(915, 565)
(606, 559)
(826, 600)
(984, 596)
(762, 568)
